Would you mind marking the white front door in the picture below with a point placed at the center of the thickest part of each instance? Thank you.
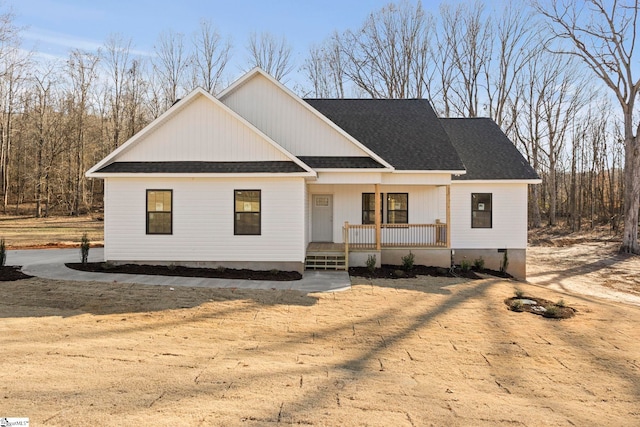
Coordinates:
(322, 218)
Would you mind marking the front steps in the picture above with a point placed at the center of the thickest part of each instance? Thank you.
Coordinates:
(325, 261)
(325, 256)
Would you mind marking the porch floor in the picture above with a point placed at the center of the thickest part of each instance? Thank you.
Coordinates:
(325, 247)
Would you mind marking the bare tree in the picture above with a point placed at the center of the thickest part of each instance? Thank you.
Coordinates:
(516, 44)
(45, 131)
(270, 53)
(170, 66)
(13, 68)
(210, 58)
(82, 69)
(117, 60)
(603, 35)
(440, 83)
(325, 69)
(562, 97)
(387, 57)
(134, 97)
(468, 33)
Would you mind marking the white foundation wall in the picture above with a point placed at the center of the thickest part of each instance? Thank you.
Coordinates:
(509, 216)
(426, 203)
(203, 221)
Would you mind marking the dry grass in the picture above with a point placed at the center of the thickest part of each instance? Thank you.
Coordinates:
(20, 232)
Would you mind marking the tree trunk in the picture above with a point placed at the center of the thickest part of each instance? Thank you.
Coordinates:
(537, 217)
(553, 193)
(631, 196)
(39, 174)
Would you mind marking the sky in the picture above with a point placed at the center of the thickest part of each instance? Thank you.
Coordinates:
(53, 27)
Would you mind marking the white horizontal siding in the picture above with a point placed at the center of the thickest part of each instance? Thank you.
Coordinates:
(426, 203)
(202, 131)
(416, 178)
(509, 217)
(292, 125)
(203, 218)
(383, 178)
(349, 178)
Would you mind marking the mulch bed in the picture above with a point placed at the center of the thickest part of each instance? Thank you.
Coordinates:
(396, 272)
(9, 273)
(540, 306)
(163, 270)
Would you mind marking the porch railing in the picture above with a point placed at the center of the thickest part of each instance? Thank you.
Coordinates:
(358, 236)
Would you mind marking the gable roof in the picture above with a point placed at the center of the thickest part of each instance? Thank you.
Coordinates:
(283, 155)
(405, 132)
(486, 151)
(255, 74)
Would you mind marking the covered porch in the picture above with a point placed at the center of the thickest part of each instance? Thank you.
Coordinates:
(381, 235)
(384, 239)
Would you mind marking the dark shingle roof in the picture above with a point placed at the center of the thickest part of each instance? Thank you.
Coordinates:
(404, 132)
(202, 167)
(328, 162)
(486, 151)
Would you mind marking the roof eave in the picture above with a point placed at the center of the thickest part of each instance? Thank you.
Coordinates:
(452, 172)
(354, 170)
(496, 181)
(200, 175)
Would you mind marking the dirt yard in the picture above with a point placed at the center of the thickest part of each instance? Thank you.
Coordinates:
(409, 352)
(584, 263)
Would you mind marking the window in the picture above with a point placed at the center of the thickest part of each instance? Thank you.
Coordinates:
(159, 211)
(481, 210)
(247, 212)
(398, 208)
(369, 208)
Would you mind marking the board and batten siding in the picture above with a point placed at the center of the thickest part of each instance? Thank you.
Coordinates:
(203, 219)
(426, 203)
(509, 217)
(202, 131)
(286, 121)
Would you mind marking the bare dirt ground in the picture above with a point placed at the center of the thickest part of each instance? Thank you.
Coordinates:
(407, 352)
(587, 263)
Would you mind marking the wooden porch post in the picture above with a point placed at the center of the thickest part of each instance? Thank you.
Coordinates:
(378, 219)
(345, 239)
(449, 216)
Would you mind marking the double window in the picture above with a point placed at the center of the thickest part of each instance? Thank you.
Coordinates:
(159, 211)
(397, 208)
(481, 208)
(247, 212)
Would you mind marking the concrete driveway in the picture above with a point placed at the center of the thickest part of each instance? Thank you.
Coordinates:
(49, 264)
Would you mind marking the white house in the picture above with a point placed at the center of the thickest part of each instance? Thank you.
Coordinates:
(263, 179)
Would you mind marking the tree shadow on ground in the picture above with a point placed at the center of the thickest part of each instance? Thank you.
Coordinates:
(43, 297)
